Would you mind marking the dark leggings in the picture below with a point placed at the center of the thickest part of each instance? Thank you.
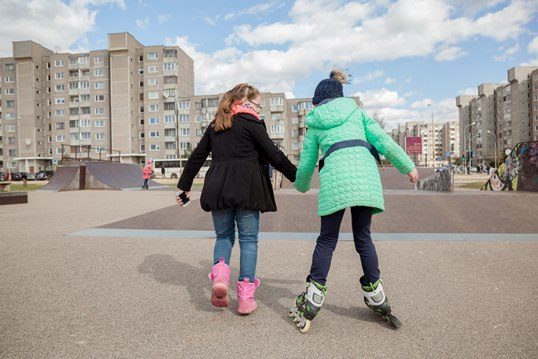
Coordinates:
(361, 218)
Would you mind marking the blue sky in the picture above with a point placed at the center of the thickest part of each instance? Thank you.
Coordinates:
(402, 54)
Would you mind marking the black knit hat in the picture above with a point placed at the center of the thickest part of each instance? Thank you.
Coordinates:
(331, 87)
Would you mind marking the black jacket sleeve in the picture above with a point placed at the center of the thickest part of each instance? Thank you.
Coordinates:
(195, 162)
(271, 152)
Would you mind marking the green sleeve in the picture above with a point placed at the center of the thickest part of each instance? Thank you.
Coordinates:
(307, 163)
(385, 145)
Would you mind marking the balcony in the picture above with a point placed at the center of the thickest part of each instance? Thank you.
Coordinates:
(170, 138)
(277, 108)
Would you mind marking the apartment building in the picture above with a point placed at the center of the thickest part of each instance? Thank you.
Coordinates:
(500, 116)
(114, 101)
(450, 135)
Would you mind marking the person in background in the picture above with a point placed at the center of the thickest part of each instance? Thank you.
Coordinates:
(146, 174)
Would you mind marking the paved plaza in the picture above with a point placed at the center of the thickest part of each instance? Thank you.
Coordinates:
(68, 294)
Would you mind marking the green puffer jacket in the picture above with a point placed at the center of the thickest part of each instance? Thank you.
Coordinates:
(350, 176)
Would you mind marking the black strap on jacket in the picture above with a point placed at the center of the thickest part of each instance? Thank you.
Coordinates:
(349, 143)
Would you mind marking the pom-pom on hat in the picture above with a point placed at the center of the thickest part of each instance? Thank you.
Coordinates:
(332, 87)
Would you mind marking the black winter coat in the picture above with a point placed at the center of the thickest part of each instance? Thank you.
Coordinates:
(238, 177)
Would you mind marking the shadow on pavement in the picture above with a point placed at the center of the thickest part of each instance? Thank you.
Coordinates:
(167, 270)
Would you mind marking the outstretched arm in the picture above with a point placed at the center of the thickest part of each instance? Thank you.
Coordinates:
(307, 163)
(195, 162)
(377, 137)
(271, 153)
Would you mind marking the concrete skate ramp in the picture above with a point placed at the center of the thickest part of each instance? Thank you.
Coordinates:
(64, 179)
(406, 212)
(113, 175)
(391, 178)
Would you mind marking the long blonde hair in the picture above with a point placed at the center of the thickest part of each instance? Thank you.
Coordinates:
(223, 116)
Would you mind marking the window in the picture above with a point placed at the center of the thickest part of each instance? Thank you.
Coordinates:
(10, 91)
(153, 134)
(60, 125)
(59, 88)
(11, 140)
(295, 120)
(75, 136)
(74, 111)
(98, 59)
(99, 85)
(152, 82)
(12, 153)
(169, 93)
(83, 60)
(60, 113)
(169, 118)
(153, 120)
(153, 95)
(85, 85)
(170, 132)
(295, 146)
(154, 147)
(185, 105)
(169, 106)
(294, 108)
(152, 69)
(153, 108)
(85, 136)
(198, 118)
(100, 136)
(152, 56)
(85, 110)
(84, 97)
(199, 133)
(184, 118)
(73, 123)
(99, 72)
(10, 116)
(170, 53)
(11, 79)
(85, 72)
(169, 66)
(10, 103)
(277, 128)
(9, 67)
(99, 123)
(170, 145)
(58, 63)
(99, 98)
(58, 75)
(277, 101)
(85, 122)
(10, 128)
(99, 110)
(73, 85)
(184, 145)
(185, 132)
(170, 80)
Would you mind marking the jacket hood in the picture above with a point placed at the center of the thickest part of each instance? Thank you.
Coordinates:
(332, 114)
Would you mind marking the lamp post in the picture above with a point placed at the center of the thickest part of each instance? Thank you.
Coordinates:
(464, 147)
(433, 138)
(495, 136)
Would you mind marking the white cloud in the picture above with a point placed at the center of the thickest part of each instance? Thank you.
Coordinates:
(532, 49)
(321, 33)
(449, 54)
(472, 91)
(162, 18)
(370, 76)
(142, 23)
(380, 98)
(210, 21)
(390, 80)
(507, 54)
(53, 23)
(257, 9)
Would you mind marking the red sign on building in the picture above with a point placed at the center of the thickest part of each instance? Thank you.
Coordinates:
(413, 145)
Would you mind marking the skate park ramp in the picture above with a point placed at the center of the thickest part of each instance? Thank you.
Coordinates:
(120, 176)
(391, 178)
(64, 179)
(406, 212)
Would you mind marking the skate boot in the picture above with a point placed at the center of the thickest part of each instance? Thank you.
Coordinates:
(220, 276)
(245, 296)
(375, 298)
(307, 305)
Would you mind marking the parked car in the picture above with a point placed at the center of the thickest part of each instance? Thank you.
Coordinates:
(2, 176)
(30, 177)
(41, 176)
(16, 176)
(23, 175)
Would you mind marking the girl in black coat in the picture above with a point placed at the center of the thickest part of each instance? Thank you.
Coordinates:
(237, 187)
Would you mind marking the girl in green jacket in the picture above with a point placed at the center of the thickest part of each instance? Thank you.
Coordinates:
(350, 142)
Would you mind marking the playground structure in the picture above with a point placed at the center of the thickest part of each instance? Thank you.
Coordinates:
(518, 171)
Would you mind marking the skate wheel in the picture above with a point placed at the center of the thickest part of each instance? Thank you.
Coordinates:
(394, 321)
(306, 327)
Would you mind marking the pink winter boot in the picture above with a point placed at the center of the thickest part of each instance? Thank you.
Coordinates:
(245, 295)
(220, 276)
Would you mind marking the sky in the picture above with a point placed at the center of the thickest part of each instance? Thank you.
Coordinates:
(402, 54)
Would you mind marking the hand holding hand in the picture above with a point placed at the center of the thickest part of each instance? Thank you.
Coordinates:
(413, 175)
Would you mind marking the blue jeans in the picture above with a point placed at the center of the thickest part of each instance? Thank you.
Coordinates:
(248, 223)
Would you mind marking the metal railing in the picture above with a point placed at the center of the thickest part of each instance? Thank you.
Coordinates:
(89, 153)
